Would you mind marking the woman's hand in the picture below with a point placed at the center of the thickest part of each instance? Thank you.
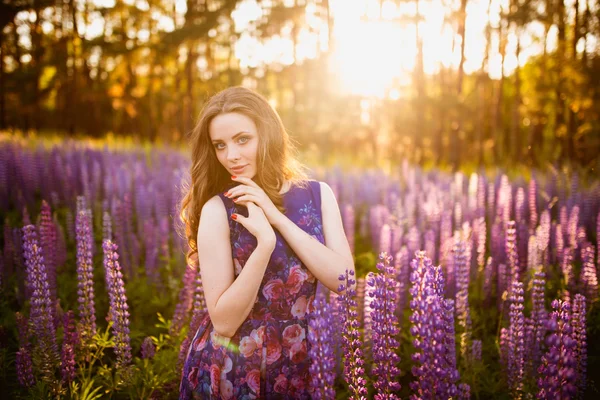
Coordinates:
(257, 224)
(248, 192)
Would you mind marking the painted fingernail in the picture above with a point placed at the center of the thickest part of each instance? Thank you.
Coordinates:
(233, 216)
(233, 176)
(235, 199)
(226, 194)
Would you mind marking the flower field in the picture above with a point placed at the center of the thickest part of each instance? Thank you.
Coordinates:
(466, 286)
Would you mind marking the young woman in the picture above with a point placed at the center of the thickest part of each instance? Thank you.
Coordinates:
(264, 235)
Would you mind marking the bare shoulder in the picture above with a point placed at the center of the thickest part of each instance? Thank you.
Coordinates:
(328, 199)
(213, 216)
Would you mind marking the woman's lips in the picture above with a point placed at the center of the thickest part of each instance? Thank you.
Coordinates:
(238, 169)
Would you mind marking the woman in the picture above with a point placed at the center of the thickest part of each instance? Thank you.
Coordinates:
(258, 226)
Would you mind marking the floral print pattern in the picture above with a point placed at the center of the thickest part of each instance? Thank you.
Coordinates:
(267, 358)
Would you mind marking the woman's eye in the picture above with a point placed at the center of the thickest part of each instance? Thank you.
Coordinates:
(217, 146)
(244, 138)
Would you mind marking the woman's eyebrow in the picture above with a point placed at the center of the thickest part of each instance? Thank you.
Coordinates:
(234, 136)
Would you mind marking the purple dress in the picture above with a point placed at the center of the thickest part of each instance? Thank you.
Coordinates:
(267, 358)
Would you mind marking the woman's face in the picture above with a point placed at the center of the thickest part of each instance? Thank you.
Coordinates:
(235, 139)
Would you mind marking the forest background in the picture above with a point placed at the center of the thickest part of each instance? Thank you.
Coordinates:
(446, 83)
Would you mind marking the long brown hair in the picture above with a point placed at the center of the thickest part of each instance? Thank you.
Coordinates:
(276, 160)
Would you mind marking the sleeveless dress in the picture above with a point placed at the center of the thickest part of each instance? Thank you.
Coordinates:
(268, 357)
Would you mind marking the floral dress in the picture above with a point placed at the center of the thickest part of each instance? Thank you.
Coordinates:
(267, 358)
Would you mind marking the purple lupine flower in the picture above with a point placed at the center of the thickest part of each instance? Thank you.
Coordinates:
(148, 349)
(588, 277)
(351, 344)
(402, 265)
(367, 312)
(85, 276)
(320, 335)
(41, 314)
(106, 226)
(533, 256)
(516, 344)
(580, 337)
(464, 391)
(360, 299)
(414, 240)
(557, 244)
(532, 204)
(520, 205)
(488, 278)
(22, 329)
(24, 368)
(48, 242)
(566, 266)
(542, 235)
(432, 325)
(461, 269)
(382, 290)
(557, 372)
(572, 227)
(539, 317)
(119, 310)
(70, 334)
(476, 350)
(512, 257)
(184, 305)
(503, 342)
(385, 239)
(480, 236)
(67, 363)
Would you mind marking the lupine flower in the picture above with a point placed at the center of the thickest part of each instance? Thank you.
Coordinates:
(367, 312)
(557, 373)
(41, 314)
(476, 350)
(432, 325)
(580, 337)
(70, 334)
(512, 256)
(85, 276)
(106, 226)
(516, 343)
(48, 242)
(567, 268)
(382, 290)
(539, 317)
(481, 234)
(24, 368)
(184, 305)
(67, 363)
(385, 239)
(351, 344)
(402, 266)
(119, 310)
(488, 278)
(588, 277)
(22, 329)
(520, 205)
(532, 204)
(148, 349)
(464, 391)
(320, 335)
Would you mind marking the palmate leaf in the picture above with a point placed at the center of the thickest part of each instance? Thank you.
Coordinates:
(87, 391)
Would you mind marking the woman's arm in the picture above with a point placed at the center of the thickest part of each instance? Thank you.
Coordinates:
(325, 262)
(229, 300)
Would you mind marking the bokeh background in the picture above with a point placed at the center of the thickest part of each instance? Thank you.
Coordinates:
(447, 83)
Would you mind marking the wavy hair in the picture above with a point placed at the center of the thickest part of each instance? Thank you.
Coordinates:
(276, 158)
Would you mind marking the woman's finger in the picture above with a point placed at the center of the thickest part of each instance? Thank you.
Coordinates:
(245, 180)
(246, 198)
